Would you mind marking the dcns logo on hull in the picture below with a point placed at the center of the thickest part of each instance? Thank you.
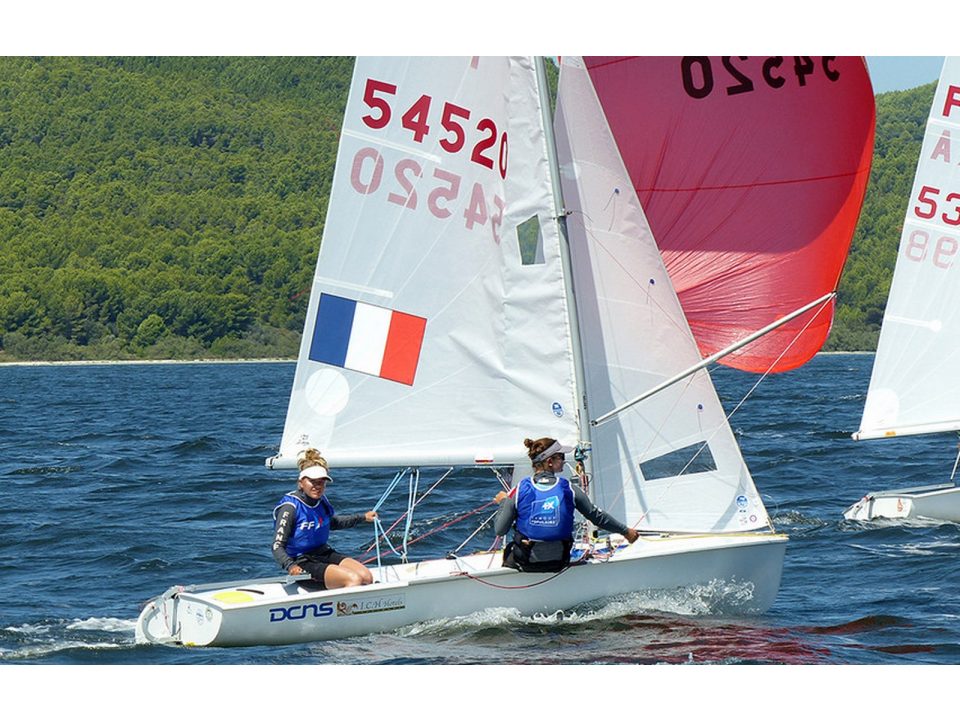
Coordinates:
(301, 611)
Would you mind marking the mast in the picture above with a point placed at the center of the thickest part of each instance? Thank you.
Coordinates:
(583, 417)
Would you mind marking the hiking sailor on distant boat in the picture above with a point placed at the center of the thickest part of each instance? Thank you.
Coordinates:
(541, 511)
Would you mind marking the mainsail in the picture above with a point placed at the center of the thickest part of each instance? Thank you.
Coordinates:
(912, 390)
(671, 462)
(752, 172)
(430, 339)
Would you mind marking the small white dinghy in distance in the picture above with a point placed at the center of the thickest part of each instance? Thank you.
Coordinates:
(434, 338)
(913, 388)
(935, 501)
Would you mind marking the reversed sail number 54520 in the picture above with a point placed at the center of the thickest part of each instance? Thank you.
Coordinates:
(366, 177)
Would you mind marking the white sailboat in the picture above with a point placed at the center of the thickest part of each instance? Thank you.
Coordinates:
(432, 339)
(911, 388)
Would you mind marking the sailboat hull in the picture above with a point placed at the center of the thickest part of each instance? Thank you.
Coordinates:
(923, 502)
(730, 573)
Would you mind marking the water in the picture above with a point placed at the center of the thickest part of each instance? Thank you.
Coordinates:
(121, 480)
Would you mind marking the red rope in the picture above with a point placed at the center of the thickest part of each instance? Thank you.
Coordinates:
(468, 575)
(404, 515)
(439, 528)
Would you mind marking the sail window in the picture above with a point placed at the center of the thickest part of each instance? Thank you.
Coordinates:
(693, 459)
(531, 242)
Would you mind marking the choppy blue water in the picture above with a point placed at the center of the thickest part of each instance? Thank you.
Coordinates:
(119, 481)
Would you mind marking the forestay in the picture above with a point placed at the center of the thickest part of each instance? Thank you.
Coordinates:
(670, 462)
(752, 172)
(428, 340)
(913, 388)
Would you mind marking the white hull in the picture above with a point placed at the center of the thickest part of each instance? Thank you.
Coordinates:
(281, 611)
(924, 502)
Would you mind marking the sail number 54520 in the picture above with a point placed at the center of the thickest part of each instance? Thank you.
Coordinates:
(487, 145)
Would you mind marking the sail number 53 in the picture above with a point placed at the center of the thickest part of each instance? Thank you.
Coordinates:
(928, 206)
(486, 145)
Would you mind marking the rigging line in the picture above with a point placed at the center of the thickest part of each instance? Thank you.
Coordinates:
(441, 527)
(480, 528)
(411, 503)
(390, 487)
(468, 575)
(954, 472)
(403, 516)
(743, 401)
(657, 433)
(387, 540)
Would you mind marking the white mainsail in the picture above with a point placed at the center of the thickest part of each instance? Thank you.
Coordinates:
(911, 388)
(428, 340)
(671, 462)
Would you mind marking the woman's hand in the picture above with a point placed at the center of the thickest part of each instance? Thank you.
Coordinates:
(632, 535)
(370, 515)
(295, 570)
(500, 497)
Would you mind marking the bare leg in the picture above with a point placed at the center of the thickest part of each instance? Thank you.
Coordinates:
(348, 573)
(366, 577)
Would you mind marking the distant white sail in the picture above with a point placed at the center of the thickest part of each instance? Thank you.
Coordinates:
(427, 339)
(913, 388)
(670, 462)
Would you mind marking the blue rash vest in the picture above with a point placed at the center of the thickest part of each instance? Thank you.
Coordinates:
(311, 527)
(545, 513)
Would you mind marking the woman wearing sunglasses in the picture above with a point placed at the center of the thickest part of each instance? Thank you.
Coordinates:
(304, 519)
(540, 509)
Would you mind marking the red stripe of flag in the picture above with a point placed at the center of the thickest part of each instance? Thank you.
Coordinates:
(402, 352)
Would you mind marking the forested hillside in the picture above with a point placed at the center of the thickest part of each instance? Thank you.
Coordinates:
(172, 207)
(162, 208)
(901, 117)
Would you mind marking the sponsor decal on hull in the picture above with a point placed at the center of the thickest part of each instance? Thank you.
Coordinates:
(369, 606)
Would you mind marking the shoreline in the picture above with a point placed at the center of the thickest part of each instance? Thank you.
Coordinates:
(134, 362)
(272, 360)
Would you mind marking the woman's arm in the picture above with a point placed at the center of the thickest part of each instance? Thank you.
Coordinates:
(598, 516)
(345, 521)
(506, 515)
(286, 518)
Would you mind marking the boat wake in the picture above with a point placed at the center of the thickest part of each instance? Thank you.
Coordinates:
(36, 641)
(689, 602)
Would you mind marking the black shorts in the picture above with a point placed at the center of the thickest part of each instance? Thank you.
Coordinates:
(315, 563)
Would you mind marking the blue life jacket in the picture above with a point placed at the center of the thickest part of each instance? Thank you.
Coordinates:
(545, 513)
(311, 527)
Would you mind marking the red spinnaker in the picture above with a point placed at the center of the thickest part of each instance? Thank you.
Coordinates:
(752, 172)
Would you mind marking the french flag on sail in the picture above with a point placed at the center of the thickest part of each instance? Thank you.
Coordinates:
(366, 338)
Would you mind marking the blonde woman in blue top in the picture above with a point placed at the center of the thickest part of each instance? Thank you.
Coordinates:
(304, 519)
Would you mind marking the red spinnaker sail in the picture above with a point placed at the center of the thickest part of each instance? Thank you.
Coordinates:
(752, 173)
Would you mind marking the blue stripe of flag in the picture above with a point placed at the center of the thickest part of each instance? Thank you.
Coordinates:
(331, 333)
